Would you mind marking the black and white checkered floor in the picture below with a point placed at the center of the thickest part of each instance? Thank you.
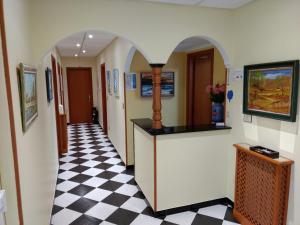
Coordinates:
(94, 187)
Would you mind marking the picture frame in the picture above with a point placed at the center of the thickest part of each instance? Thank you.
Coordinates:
(116, 82)
(130, 81)
(271, 90)
(28, 95)
(108, 82)
(167, 84)
(49, 84)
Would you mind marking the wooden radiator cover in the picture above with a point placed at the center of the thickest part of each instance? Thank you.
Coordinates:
(261, 188)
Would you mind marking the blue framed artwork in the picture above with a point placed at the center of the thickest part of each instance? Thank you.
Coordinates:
(49, 84)
(167, 84)
(131, 81)
(116, 82)
(108, 82)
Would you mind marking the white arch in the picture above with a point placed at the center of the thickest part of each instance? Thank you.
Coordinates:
(129, 59)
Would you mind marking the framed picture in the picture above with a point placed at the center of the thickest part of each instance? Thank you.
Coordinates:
(271, 90)
(49, 84)
(167, 84)
(28, 95)
(108, 82)
(131, 81)
(116, 82)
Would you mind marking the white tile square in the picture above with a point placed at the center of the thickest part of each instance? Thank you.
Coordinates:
(106, 223)
(216, 211)
(135, 204)
(89, 156)
(107, 149)
(66, 186)
(88, 151)
(184, 218)
(109, 154)
(65, 199)
(122, 178)
(229, 223)
(101, 211)
(65, 217)
(104, 144)
(127, 189)
(67, 175)
(95, 182)
(146, 220)
(67, 159)
(117, 169)
(93, 172)
(86, 145)
(67, 166)
(113, 161)
(90, 163)
(98, 194)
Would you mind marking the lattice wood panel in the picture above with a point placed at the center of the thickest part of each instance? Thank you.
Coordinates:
(262, 188)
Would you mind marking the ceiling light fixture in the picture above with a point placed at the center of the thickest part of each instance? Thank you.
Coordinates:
(84, 51)
(90, 36)
(76, 55)
(78, 45)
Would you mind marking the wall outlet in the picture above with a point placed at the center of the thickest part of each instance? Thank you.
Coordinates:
(247, 118)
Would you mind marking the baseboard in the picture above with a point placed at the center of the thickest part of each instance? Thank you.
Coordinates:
(194, 207)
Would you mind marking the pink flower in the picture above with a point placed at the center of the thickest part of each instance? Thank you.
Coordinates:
(209, 88)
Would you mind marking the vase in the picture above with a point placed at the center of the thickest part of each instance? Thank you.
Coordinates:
(217, 112)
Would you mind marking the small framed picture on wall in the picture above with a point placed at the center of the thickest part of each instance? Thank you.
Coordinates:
(116, 82)
(108, 82)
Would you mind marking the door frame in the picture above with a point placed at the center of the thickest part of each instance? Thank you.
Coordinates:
(11, 114)
(104, 97)
(69, 90)
(190, 80)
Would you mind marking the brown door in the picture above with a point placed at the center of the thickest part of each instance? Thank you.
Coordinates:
(200, 75)
(80, 92)
(104, 105)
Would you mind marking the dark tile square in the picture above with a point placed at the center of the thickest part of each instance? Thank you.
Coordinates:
(116, 199)
(229, 215)
(78, 154)
(81, 190)
(82, 205)
(120, 163)
(59, 180)
(132, 182)
(101, 158)
(107, 174)
(56, 209)
(80, 178)
(99, 152)
(77, 149)
(80, 169)
(111, 185)
(104, 166)
(58, 193)
(86, 220)
(79, 161)
(169, 223)
(202, 219)
(122, 216)
(129, 171)
(140, 195)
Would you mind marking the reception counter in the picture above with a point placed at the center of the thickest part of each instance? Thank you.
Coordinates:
(180, 166)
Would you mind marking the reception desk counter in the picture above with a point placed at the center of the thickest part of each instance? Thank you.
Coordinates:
(180, 166)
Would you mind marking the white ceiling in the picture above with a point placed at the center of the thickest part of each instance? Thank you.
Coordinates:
(67, 47)
(226, 4)
(191, 44)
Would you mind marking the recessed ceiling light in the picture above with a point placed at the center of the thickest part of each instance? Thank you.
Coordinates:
(78, 45)
(91, 36)
(76, 55)
(84, 51)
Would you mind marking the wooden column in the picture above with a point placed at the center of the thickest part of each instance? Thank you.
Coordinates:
(156, 105)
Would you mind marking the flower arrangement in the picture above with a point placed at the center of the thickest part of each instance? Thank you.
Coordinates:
(217, 93)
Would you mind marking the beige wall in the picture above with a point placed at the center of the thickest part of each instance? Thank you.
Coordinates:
(173, 108)
(79, 62)
(114, 57)
(37, 148)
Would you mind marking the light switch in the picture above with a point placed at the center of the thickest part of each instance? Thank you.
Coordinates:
(3, 206)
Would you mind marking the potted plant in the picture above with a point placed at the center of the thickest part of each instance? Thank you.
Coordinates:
(217, 96)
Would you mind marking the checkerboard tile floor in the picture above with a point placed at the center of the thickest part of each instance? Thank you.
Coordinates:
(94, 187)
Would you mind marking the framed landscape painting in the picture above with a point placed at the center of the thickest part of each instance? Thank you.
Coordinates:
(271, 90)
(108, 82)
(28, 95)
(116, 82)
(167, 84)
(49, 84)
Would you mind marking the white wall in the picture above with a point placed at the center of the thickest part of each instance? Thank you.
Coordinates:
(79, 62)
(114, 57)
(37, 148)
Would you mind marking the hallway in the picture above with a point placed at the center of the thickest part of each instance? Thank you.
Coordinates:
(93, 187)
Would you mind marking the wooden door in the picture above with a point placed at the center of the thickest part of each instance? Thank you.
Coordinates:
(200, 75)
(104, 103)
(80, 92)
